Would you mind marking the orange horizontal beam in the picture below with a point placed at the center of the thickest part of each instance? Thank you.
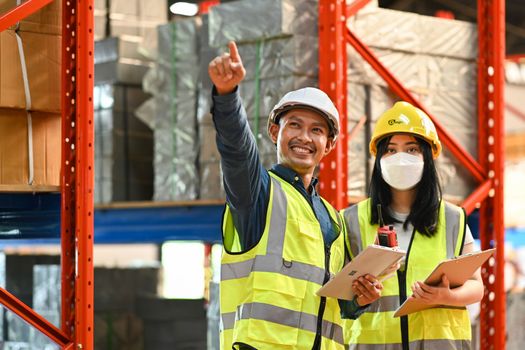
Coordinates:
(356, 128)
(20, 12)
(515, 110)
(354, 7)
(30, 316)
(476, 197)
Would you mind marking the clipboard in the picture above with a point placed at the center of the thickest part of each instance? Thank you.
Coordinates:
(375, 259)
(458, 270)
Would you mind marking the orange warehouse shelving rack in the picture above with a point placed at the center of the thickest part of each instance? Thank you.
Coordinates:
(76, 185)
(78, 157)
(487, 170)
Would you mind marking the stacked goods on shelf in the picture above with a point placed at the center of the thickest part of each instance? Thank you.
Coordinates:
(30, 101)
(172, 111)
(209, 171)
(117, 320)
(187, 165)
(436, 60)
(123, 143)
(279, 52)
(176, 324)
(126, 42)
(135, 18)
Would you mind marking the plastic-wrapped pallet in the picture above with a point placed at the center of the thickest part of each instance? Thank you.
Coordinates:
(123, 145)
(435, 59)
(273, 51)
(172, 111)
(211, 187)
(252, 20)
(118, 60)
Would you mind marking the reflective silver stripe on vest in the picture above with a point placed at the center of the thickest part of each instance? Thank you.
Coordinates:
(452, 217)
(227, 320)
(354, 230)
(332, 331)
(286, 317)
(265, 263)
(391, 303)
(439, 344)
(384, 304)
(269, 263)
(277, 227)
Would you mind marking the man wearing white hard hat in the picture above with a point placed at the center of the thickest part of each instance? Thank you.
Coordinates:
(281, 239)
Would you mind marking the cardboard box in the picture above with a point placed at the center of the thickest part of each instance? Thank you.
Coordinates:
(42, 58)
(156, 10)
(45, 21)
(14, 151)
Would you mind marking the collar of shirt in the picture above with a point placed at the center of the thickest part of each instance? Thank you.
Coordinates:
(328, 227)
(292, 177)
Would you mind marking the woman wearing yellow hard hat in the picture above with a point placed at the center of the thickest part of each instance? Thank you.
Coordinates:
(405, 186)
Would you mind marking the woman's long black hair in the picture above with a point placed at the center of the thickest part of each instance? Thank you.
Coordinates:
(425, 209)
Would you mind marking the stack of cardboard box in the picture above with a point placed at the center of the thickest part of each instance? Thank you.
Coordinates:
(136, 18)
(126, 40)
(123, 143)
(30, 108)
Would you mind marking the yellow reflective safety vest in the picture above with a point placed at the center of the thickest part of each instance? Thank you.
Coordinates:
(268, 294)
(432, 329)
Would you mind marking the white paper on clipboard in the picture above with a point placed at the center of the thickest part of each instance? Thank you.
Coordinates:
(374, 260)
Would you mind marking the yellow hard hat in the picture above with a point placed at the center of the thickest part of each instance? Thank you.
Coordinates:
(405, 118)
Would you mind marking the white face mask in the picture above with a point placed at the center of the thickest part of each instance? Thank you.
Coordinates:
(402, 171)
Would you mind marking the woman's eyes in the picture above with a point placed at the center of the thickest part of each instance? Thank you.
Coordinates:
(413, 150)
(409, 150)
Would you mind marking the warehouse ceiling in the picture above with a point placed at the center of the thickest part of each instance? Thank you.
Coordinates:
(466, 10)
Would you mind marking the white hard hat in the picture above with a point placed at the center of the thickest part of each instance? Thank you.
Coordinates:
(310, 98)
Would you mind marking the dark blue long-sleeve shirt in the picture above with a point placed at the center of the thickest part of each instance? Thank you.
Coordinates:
(247, 182)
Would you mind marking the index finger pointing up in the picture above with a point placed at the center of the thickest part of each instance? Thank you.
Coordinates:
(234, 53)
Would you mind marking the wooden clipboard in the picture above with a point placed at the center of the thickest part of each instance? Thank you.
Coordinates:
(374, 260)
(458, 270)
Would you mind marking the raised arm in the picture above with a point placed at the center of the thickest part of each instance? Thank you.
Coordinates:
(246, 182)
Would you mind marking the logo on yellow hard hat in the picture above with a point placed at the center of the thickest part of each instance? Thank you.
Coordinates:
(394, 121)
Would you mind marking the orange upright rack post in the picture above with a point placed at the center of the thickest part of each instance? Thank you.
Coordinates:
(487, 170)
(77, 171)
(332, 80)
(491, 105)
(76, 179)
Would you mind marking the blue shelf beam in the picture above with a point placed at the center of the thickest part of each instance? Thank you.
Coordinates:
(37, 217)
(158, 224)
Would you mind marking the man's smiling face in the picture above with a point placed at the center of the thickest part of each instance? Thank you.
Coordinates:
(303, 139)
